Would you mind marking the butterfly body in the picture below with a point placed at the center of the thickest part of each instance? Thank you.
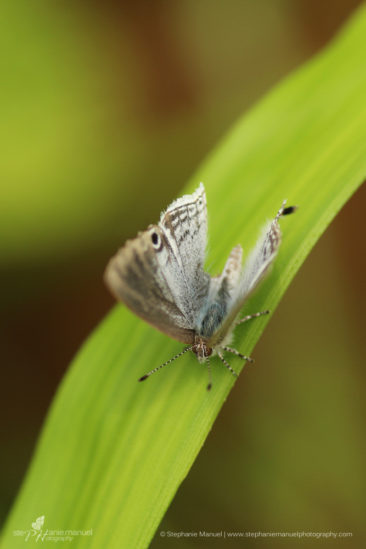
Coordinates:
(160, 276)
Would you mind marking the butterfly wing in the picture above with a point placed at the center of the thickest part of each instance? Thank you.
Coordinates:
(255, 268)
(134, 276)
(159, 274)
(260, 258)
(185, 227)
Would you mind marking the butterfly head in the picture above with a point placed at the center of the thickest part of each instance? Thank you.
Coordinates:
(201, 349)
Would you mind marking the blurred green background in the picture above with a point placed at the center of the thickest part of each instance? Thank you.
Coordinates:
(106, 110)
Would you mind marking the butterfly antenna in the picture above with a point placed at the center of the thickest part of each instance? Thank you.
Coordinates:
(235, 352)
(249, 317)
(226, 364)
(165, 363)
(285, 211)
(209, 374)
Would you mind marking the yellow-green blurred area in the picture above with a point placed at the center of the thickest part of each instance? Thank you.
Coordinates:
(106, 109)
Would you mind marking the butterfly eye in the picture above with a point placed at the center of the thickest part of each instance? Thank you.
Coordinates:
(155, 240)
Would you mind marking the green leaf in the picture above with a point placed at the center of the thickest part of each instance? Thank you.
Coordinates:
(113, 452)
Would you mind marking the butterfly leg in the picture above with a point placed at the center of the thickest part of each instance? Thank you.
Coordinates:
(235, 352)
(165, 363)
(209, 374)
(226, 363)
(249, 317)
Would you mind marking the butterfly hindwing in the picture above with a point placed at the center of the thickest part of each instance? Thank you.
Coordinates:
(159, 274)
(256, 266)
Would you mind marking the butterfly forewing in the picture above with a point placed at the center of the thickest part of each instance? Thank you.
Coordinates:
(185, 227)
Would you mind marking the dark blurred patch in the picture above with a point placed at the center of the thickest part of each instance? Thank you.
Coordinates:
(320, 20)
(351, 255)
(167, 82)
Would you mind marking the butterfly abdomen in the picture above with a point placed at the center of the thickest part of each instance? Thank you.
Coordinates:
(212, 319)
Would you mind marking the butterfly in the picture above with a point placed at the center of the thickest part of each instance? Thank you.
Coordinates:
(160, 276)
